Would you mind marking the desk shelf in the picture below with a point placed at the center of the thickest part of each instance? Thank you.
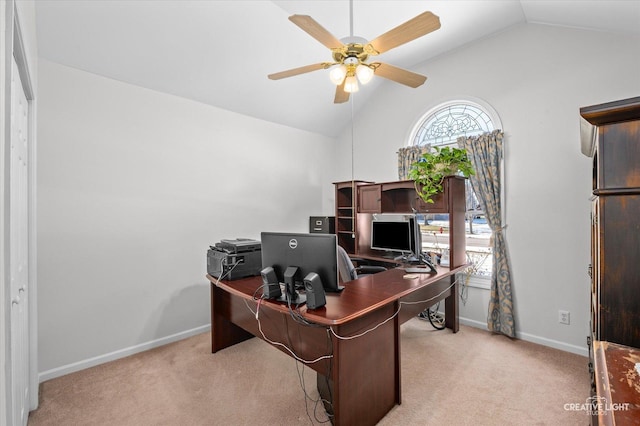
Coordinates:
(346, 208)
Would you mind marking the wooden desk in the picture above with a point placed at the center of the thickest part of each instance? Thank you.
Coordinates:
(617, 384)
(361, 378)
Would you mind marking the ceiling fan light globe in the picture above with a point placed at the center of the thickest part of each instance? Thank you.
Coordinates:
(364, 73)
(351, 84)
(336, 75)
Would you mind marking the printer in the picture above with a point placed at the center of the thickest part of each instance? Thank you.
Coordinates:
(234, 259)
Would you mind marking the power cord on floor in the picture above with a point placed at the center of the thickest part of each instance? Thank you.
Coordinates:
(434, 316)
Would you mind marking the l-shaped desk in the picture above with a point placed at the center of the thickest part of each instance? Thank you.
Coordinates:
(354, 339)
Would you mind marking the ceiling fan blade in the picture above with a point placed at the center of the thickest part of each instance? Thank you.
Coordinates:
(341, 95)
(416, 27)
(400, 75)
(315, 30)
(299, 70)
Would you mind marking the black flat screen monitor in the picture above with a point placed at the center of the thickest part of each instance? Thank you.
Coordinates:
(396, 234)
(309, 252)
(391, 236)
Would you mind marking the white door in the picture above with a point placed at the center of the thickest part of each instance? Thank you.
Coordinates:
(19, 241)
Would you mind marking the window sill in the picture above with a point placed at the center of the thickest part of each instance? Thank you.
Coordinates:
(476, 281)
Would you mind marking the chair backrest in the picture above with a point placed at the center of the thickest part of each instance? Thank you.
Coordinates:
(345, 266)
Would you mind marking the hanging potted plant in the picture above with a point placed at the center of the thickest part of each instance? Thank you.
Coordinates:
(429, 172)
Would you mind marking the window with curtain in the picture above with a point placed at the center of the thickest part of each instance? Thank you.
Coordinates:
(442, 126)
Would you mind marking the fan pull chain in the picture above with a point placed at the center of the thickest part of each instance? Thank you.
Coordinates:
(354, 212)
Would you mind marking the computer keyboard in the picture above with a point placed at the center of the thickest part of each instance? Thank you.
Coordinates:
(420, 270)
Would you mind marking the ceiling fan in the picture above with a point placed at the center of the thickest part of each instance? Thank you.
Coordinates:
(351, 54)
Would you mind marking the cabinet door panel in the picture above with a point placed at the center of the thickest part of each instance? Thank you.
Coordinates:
(620, 275)
(369, 199)
(619, 154)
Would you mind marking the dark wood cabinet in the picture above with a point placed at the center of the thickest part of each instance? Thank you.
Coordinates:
(615, 235)
(370, 199)
(610, 134)
(402, 197)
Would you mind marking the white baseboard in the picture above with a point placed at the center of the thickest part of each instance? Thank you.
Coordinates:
(578, 350)
(101, 359)
(473, 323)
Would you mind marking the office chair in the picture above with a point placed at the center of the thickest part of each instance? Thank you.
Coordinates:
(348, 271)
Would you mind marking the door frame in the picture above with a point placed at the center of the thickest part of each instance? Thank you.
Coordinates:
(13, 46)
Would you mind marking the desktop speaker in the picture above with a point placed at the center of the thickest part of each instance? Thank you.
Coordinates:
(270, 285)
(314, 291)
(291, 277)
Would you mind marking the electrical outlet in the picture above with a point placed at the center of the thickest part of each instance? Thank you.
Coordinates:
(564, 317)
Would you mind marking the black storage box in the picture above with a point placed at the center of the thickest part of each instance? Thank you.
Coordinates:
(322, 224)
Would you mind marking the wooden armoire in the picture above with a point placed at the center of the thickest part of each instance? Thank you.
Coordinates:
(611, 136)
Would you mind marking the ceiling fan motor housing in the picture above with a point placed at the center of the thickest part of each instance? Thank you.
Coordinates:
(351, 50)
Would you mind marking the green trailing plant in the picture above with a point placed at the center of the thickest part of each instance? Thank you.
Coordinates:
(429, 172)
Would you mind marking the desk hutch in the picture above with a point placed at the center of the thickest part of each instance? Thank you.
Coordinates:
(358, 201)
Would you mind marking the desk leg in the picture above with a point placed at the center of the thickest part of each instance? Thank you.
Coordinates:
(363, 384)
(224, 333)
(451, 317)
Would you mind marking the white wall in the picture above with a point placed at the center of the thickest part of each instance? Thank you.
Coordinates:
(134, 186)
(536, 77)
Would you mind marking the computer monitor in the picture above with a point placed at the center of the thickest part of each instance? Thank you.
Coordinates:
(308, 252)
(396, 233)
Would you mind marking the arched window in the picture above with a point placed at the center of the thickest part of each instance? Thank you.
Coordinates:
(445, 123)
(440, 126)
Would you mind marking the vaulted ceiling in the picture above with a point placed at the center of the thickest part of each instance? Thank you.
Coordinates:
(220, 52)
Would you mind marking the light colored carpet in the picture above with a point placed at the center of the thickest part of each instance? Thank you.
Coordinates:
(469, 378)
